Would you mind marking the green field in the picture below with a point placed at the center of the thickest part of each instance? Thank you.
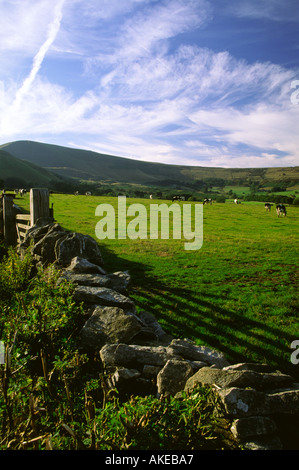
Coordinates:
(238, 293)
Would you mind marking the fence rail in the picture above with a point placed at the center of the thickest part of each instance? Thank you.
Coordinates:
(21, 227)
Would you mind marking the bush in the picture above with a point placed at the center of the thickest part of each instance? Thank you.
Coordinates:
(149, 423)
(15, 274)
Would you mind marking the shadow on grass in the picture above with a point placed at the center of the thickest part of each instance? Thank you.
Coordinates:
(199, 316)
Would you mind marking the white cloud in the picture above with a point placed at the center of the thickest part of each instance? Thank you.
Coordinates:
(274, 10)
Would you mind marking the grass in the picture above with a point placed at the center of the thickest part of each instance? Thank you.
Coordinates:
(238, 293)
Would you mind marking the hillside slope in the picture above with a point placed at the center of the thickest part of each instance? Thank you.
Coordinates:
(93, 166)
(17, 172)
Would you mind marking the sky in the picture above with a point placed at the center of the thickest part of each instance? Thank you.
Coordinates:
(189, 82)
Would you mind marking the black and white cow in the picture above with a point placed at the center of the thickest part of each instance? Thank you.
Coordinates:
(178, 198)
(281, 210)
(268, 206)
(207, 201)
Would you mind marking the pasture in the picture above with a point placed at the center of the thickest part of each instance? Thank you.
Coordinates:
(238, 293)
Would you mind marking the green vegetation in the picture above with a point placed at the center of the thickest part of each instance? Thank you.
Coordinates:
(53, 397)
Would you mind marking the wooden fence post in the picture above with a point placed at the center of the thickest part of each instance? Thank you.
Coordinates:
(9, 221)
(39, 204)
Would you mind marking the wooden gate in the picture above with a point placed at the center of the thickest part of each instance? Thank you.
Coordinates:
(15, 226)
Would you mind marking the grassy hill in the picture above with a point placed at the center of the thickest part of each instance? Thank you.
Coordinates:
(92, 166)
(15, 172)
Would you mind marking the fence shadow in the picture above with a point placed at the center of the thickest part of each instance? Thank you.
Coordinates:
(184, 313)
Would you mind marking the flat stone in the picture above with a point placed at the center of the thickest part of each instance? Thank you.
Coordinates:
(253, 426)
(118, 281)
(227, 378)
(240, 402)
(81, 265)
(273, 443)
(187, 349)
(103, 296)
(130, 355)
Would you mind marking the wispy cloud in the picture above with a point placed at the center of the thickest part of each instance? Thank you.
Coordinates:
(39, 57)
(269, 9)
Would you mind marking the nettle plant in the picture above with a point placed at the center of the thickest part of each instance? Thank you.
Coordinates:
(33, 307)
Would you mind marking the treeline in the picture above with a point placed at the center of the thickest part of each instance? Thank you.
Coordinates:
(268, 197)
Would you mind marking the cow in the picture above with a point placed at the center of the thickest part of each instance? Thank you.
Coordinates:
(178, 198)
(207, 201)
(88, 193)
(281, 210)
(268, 206)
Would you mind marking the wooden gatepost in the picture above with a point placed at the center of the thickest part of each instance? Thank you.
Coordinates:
(9, 219)
(15, 225)
(39, 205)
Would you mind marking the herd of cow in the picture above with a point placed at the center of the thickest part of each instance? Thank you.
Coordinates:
(280, 209)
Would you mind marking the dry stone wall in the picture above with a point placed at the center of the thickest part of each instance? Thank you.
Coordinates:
(261, 404)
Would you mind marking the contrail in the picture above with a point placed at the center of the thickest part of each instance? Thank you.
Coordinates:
(39, 57)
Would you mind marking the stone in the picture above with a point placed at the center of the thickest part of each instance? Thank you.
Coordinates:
(239, 402)
(283, 401)
(152, 329)
(123, 375)
(45, 248)
(129, 382)
(83, 266)
(196, 365)
(130, 355)
(108, 325)
(77, 244)
(238, 378)
(273, 443)
(115, 281)
(103, 296)
(253, 426)
(119, 281)
(36, 233)
(172, 378)
(256, 367)
(190, 350)
(150, 371)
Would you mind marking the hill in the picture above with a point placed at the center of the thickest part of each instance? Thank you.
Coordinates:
(92, 166)
(18, 173)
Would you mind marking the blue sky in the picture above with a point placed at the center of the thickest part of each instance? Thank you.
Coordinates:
(192, 82)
